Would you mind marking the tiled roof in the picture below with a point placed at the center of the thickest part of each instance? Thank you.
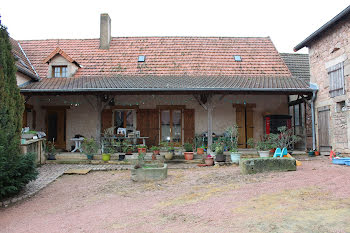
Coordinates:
(189, 56)
(298, 64)
(58, 51)
(22, 63)
(169, 83)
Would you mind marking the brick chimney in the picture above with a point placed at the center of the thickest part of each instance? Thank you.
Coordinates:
(105, 31)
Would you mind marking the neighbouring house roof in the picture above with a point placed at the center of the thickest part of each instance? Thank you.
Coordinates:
(172, 63)
(21, 61)
(298, 64)
(322, 29)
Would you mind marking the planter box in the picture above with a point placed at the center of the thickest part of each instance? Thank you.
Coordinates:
(149, 173)
(257, 165)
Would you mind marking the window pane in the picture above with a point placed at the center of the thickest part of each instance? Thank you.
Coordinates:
(176, 131)
(119, 119)
(129, 119)
(57, 72)
(296, 115)
(64, 71)
(165, 125)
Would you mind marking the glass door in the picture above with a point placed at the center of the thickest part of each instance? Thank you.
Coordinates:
(171, 126)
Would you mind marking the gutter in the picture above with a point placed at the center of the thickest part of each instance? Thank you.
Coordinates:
(282, 90)
(314, 91)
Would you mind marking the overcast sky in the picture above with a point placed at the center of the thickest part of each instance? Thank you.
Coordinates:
(286, 22)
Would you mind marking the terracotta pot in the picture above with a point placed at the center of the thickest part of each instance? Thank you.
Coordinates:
(188, 155)
(200, 151)
(141, 150)
(154, 157)
(317, 153)
(156, 152)
(209, 161)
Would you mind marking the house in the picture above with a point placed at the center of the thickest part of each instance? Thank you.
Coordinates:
(168, 88)
(329, 50)
(300, 107)
(24, 75)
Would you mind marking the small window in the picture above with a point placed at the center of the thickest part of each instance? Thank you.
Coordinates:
(336, 80)
(59, 71)
(237, 58)
(142, 58)
(341, 106)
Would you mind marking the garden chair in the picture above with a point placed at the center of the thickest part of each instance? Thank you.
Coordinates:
(280, 153)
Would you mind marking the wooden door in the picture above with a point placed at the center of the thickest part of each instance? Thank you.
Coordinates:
(323, 129)
(189, 125)
(56, 127)
(245, 123)
(148, 125)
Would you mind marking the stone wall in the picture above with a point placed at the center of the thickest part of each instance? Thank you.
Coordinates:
(82, 117)
(331, 48)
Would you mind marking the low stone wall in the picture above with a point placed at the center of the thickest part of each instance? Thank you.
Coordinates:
(257, 165)
(149, 173)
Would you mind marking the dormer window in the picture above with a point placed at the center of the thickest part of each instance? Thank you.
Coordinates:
(59, 71)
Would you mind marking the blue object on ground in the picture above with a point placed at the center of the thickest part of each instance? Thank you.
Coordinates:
(347, 163)
(280, 153)
(341, 161)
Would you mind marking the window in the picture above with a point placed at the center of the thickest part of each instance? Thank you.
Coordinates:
(171, 125)
(142, 58)
(336, 80)
(59, 71)
(341, 106)
(124, 119)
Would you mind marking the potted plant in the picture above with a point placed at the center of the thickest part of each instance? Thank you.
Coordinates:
(188, 151)
(200, 150)
(89, 147)
(311, 153)
(263, 146)
(284, 139)
(233, 135)
(155, 151)
(219, 150)
(170, 152)
(317, 153)
(51, 150)
(141, 149)
(209, 160)
(106, 156)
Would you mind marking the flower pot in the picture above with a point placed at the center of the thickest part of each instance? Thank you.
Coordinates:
(200, 151)
(156, 152)
(235, 157)
(121, 157)
(129, 152)
(141, 150)
(90, 157)
(188, 155)
(220, 158)
(209, 161)
(311, 153)
(317, 153)
(169, 156)
(51, 156)
(106, 157)
(264, 154)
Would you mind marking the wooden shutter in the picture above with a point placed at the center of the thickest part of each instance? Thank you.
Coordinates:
(189, 125)
(148, 125)
(336, 80)
(250, 123)
(106, 119)
(240, 121)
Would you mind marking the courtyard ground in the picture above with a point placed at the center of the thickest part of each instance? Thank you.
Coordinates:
(315, 198)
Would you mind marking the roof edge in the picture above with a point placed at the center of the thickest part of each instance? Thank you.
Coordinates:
(330, 23)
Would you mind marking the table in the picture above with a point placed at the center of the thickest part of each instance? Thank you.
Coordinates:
(77, 144)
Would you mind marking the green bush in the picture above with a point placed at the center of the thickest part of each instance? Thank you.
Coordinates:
(16, 173)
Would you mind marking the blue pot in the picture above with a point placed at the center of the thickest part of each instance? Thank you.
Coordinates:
(341, 161)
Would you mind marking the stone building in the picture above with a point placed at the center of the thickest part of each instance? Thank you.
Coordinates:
(329, 51)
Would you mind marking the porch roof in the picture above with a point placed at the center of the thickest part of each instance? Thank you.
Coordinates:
(151, 83)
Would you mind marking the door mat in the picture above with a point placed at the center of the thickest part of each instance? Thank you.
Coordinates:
(77, 171)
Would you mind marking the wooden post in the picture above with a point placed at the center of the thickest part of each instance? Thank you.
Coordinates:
(98, 126)
(210, 121)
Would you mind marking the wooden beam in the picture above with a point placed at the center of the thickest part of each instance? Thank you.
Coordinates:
(200, 102)
(210, 120)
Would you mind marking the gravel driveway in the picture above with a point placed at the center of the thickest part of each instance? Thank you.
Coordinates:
(315, 198)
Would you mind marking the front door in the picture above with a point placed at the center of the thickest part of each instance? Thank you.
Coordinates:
(244, 121)
(56, 127)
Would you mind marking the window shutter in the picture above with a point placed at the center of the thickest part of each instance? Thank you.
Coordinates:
(336, 80)
(106, 118)
(189, 125)
(148, 125)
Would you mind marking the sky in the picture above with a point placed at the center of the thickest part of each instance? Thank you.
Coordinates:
(286, 22)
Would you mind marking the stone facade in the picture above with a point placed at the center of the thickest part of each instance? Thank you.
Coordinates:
(81, 117)
(329, 49)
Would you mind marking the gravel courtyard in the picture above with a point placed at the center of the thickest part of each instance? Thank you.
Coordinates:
(315, 198)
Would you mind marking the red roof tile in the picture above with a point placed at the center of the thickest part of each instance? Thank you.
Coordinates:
(174, 56)
(58, 51)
